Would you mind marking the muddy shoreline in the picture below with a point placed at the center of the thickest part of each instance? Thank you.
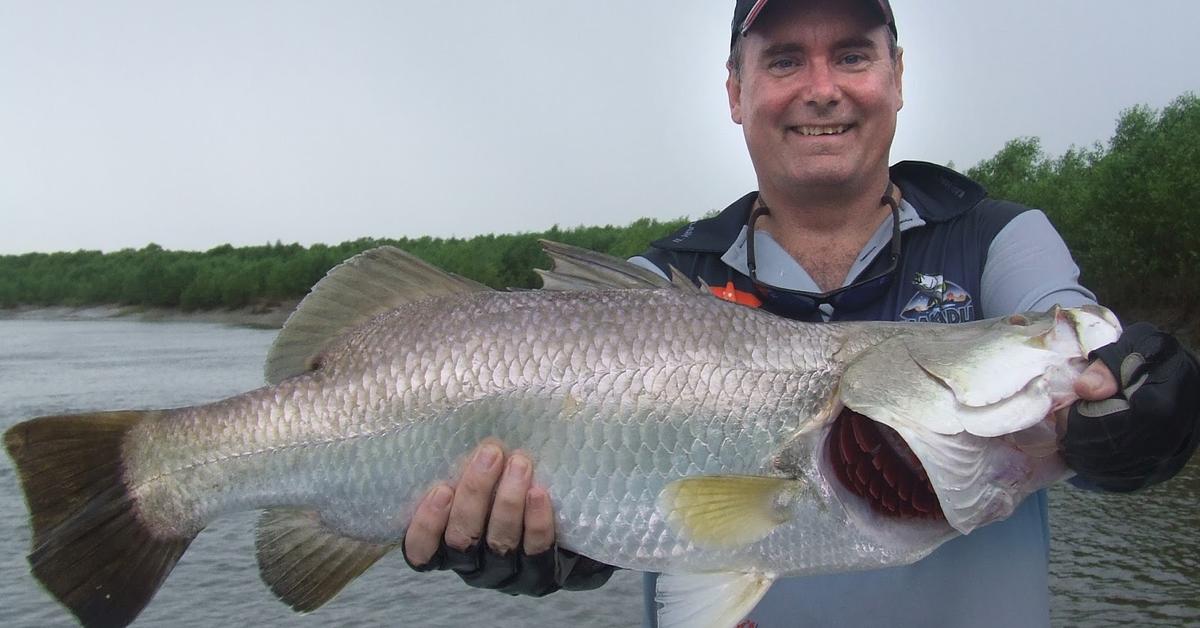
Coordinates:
(259, 317)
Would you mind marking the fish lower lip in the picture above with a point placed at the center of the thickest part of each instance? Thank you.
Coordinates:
(873, 462)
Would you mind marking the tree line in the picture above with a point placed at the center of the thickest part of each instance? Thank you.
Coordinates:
(1127, 210)
(235, 277)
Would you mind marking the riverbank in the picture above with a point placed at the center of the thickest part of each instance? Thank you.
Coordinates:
(259, 317)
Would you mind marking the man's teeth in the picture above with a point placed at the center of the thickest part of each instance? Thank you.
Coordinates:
(821, 130)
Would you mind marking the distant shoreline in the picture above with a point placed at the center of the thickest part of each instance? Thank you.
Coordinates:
(258, 317)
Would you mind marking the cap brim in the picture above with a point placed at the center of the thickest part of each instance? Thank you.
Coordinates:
(885, 12)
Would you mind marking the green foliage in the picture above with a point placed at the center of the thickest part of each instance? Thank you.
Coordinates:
(229, 277)
(1128, 211)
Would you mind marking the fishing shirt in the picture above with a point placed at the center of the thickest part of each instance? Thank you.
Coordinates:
(964, 257)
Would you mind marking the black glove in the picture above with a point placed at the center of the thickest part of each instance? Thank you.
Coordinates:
(1146, 432)
(519, 573)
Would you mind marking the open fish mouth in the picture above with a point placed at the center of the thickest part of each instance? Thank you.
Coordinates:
(872, 461)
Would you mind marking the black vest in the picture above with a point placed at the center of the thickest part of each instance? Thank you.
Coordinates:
(941, 263)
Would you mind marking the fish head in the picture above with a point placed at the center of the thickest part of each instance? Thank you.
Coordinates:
(958, 423)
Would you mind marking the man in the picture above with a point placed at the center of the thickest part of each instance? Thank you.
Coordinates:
(835, 234)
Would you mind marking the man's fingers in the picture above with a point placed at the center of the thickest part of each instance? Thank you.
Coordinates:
(1096, 383)
(539, 521)
(508, 509)
(425, 531)
(473, 496)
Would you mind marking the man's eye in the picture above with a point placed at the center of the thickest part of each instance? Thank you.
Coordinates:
(854, 59)
(783, 64)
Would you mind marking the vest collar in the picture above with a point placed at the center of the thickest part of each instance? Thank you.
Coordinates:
(937, 193)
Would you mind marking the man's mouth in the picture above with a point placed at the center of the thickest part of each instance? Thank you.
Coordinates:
(813, 131)
(873, 462)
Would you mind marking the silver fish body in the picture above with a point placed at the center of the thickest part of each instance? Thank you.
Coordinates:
(614, 394)
(676, 433)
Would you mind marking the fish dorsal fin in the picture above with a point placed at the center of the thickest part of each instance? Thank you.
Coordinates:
(708, 600)
(577, 268)
(727, 511)
(304, 562)
(350, 294)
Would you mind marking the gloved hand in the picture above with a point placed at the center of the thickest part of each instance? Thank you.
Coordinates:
(518, 573)
(1145, 433)
(495, 513)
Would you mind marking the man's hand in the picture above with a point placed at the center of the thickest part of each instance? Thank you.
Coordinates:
(1096, 383)
(1138, 419)
(506, 542)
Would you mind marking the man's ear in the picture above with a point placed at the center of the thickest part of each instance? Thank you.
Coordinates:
(733, 87)
(900, 77)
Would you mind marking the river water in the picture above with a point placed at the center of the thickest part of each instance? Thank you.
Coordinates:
(1115, 560)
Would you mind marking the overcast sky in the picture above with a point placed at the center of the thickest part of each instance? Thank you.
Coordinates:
(191, 124)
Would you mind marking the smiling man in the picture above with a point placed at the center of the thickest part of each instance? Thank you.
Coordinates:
(835, 233)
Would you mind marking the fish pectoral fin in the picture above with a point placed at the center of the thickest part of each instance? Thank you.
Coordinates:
(304, 562)
(722, 511)
(710, 600)
(352, 293)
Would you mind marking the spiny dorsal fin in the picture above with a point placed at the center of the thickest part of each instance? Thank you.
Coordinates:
(304, 562)
(577, 268)
(350, 294)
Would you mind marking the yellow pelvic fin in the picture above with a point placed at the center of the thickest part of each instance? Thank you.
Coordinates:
(722, 511)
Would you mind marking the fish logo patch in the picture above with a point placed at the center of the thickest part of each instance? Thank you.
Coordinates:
(938, 301)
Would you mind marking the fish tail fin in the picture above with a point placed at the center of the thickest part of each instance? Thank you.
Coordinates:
(91, 549)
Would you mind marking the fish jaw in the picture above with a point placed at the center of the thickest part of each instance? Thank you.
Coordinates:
(981, 422)
(947, 484)
(982, 480)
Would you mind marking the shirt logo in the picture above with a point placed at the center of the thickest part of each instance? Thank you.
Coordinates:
(938, 301)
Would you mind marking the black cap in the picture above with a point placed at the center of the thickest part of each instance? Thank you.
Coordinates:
(746, 11)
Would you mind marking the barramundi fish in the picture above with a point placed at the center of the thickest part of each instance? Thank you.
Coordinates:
(677, 433)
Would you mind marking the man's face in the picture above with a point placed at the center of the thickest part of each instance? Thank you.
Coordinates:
(817, 95)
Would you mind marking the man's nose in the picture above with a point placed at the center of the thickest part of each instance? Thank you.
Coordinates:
(821, 88)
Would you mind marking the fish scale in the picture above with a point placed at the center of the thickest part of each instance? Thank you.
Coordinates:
(646, 383)
(675, 432)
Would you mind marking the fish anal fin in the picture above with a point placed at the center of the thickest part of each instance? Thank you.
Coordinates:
(91, 549)
(723, 511)
(350, 294)
(306, 563)
(710, 600)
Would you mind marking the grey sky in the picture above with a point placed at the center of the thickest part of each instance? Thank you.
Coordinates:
(199, 123)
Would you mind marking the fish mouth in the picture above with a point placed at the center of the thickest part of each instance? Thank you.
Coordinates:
(872, 461)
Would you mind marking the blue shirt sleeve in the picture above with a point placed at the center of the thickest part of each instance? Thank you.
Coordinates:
(1029, 268)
